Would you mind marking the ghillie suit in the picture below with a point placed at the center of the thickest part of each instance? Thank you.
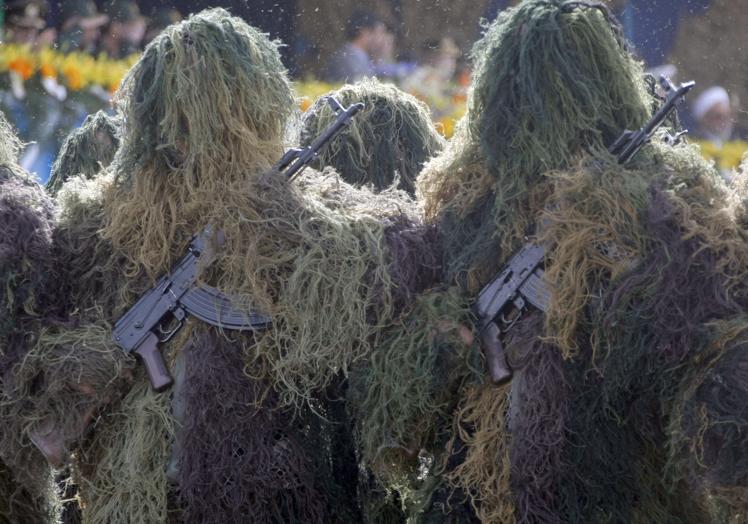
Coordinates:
(26, 222)
(624, 404)
(389, 140)
(205, 113)
(86, 150)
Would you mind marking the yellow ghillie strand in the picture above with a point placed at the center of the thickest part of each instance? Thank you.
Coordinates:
(484, 473)
(125, 464)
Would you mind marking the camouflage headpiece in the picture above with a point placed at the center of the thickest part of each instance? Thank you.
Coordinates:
(392, 137)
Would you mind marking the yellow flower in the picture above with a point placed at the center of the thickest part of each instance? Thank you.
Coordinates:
(726, 157)
(73, 77)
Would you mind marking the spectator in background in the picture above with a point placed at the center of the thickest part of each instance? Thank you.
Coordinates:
(367, 37)
(433, 81)
(383, 59)
(160, 19)
(714, 116)
(126, 30)
(24, 20)
(81, 25)
(715, 119)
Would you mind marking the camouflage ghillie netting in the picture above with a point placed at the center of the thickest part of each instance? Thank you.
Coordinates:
(623, 407)
(86, 150)
(27, 218)
(389, 140)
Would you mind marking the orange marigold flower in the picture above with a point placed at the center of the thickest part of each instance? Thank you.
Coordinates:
(48, 71)
(21, 66)
(73, 77)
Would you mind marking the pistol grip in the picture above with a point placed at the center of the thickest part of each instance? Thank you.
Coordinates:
(498, 368)
(154, 363)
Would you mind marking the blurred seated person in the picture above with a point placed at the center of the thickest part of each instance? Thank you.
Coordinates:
(714, 116)
(81, 25)
(24, 20)
(434, 81)
(366, 36)
(126, 30)
(383, 59)
(715, 131)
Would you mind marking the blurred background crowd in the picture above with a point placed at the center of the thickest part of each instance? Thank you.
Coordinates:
(62, 60)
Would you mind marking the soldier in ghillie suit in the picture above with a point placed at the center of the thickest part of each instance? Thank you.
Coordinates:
(390, 140)
(86, 150)
(625, 401)
(27, 219)
(204, 115)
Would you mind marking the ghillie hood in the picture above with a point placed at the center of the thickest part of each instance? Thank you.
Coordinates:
(86, 150)
(552, 80)
(389, 140)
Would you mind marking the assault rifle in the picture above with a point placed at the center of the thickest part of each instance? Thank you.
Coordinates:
(503, 300)
(161, 312)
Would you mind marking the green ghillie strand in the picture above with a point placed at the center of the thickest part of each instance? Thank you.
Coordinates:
(86, 150)
(410, 383)
(484, 471)
(388, 141)
(124, 467)
(550, 82)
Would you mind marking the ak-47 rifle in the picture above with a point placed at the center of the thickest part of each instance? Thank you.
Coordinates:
(161, 312)
(503, 300)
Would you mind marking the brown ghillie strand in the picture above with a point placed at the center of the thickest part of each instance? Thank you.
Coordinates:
(26, 223)
(537, 423)
(415, 262)
(551, 80)
(388, 141)
(645, 329)
(86, 151)
(27, 218)
(238, 453)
